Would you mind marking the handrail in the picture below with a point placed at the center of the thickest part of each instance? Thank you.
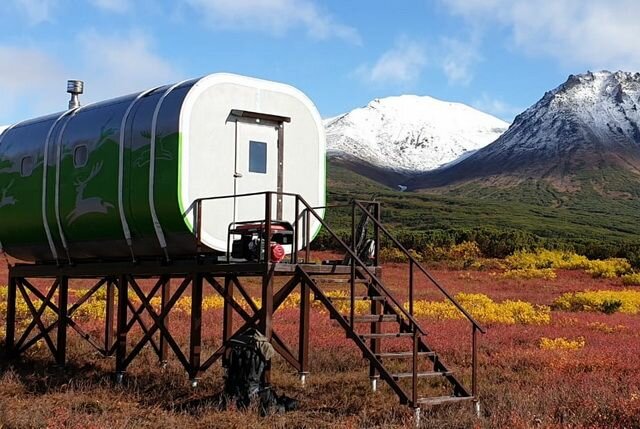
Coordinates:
(424, 271)
(354, 256)
(357, 260)
(304, 216)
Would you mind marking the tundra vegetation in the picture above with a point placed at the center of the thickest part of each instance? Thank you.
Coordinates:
(561, 351)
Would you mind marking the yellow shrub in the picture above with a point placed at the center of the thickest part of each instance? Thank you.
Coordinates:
(547, 259)
(606, 301)
(485, 309)
(465, 250)
(91, 310)
(393, 254)
(344, 306)
(609, 268)
(550, 259)
(22, 310)
(530, 273)
(212, 302)
(292, 301)
(631, 279)
(561, 343)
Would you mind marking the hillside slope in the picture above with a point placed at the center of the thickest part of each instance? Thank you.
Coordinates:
(394, 138)
(571, 139)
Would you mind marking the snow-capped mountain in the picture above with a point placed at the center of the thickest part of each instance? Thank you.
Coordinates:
(592, 121)
(410, 134)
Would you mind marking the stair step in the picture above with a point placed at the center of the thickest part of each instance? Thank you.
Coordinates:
(387, 335)
(373, 318)
(319, 279)
(437, 400)
(402, 355)
(357, 298)
(420, 374)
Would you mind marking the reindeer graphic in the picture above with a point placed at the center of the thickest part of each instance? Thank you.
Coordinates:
(161, 152)
(7, 201)
(88, 205)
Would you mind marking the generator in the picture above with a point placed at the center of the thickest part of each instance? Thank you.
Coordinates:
(250, 245)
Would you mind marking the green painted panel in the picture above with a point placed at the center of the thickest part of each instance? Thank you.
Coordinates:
(21, 194)
(166, 168)
(136, 178)
(89, 191)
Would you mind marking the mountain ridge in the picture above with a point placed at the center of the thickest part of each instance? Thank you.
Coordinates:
(401, 136)
(588, 123)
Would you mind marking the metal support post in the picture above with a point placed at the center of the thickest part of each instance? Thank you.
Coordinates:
(227, 319)
(195, 342)
(165, 292)
(108, 319)
(121, 327)
(63, 299)
(303, 346)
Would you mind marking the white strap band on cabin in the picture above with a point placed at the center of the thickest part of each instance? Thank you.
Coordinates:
(57, 186)
(45, 166)
(123, 219)
(152, 166)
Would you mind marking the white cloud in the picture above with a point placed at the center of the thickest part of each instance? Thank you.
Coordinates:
(497, 107)
(115, 65)
(36, 11)
(402, 64)
(117, 6)
(30, 79)
(275, 17)
(592, 34)
(458, 60)
(33, 82)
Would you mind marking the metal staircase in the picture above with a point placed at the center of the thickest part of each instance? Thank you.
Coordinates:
(389, 336)
(412, 369)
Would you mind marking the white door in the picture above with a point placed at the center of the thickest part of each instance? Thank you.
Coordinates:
(256, 169)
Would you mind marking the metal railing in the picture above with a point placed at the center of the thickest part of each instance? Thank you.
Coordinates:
(413, 263)
(302, 229)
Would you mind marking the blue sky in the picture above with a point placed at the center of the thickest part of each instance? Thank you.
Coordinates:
(497, 55)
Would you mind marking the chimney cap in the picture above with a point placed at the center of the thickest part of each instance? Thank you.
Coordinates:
(75, 86)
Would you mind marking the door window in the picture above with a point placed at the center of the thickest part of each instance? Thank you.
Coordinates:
(257, 157)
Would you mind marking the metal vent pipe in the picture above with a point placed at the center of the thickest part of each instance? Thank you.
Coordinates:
(75, 88)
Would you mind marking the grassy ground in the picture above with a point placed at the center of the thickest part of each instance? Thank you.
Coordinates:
(595, 384)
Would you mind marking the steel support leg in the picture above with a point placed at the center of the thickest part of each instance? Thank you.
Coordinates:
(121, 348)
(63, 300)
(376, 309)
(165, 297)
(267, 305)
(303, 346)
(195, 343)
(108, 320)
(227, 320)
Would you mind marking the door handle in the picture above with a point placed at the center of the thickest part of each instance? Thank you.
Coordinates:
(237, 175)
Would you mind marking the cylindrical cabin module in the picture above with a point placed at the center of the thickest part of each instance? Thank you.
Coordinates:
(120, 177)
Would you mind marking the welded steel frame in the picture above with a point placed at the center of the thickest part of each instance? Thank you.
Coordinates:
(171, 283)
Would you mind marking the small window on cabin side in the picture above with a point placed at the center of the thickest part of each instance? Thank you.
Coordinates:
(257, 157)
(80, 156)
(26, 166)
